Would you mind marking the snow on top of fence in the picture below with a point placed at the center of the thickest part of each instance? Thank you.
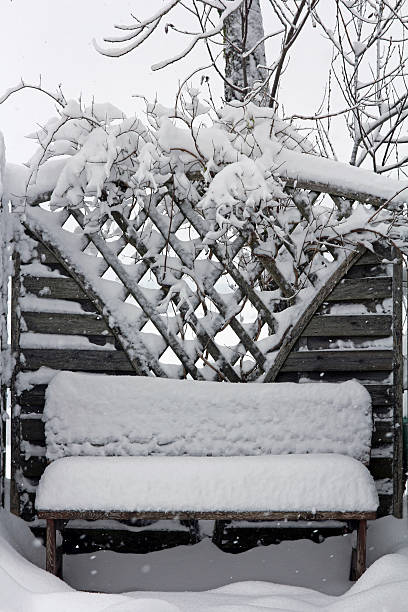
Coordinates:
(89, 414)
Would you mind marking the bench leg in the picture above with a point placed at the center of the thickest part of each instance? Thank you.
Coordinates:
(51, 547)
(358, 554)
(53, 553)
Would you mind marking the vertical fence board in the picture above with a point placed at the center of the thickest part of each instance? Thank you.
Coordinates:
(398, 370)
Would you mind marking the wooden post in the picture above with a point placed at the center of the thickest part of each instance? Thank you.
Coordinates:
(54, 552)
(358, 554)
(361, 548)
(51, 548)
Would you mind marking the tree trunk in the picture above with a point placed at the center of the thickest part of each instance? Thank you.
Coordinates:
(242, 30)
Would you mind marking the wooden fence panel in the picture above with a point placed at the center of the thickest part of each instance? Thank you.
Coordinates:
(354, 334)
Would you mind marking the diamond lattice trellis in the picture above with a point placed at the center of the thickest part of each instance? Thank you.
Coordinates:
(217, 321)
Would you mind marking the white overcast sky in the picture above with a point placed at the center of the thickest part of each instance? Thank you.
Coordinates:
(53, 38)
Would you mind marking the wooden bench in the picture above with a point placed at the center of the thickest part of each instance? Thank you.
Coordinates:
(144, 448)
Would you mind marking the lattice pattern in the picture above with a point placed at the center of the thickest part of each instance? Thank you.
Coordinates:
(215, 327)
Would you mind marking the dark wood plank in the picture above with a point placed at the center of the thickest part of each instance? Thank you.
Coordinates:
(77, 360)
(383, 434)
(381, 395)
(367, 306)
(32, 400)
(368, 270)
(322, 343)
(349, 325)
(381, 467)
(385, 507)
(32, 430)
(362, 289)
(381, 252)
(33, 467)
(339, 361)
(90, 324)
(44, 255)
(58, 288)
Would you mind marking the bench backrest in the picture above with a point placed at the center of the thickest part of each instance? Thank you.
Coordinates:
(91, 414)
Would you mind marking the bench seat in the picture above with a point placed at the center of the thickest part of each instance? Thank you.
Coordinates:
(288, 483)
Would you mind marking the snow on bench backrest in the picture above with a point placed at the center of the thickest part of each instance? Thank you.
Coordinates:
(91, 414)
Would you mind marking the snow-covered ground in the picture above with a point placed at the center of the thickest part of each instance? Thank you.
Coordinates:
(293, 576)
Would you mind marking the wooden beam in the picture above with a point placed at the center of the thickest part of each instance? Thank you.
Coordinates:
(77, 360)
(57, 288)
(90, 324)
(364, 360)
(349, 325)
(354, 289)
(261, 515)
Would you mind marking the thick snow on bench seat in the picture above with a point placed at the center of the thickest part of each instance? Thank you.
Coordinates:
(90, 414)
(276, 483)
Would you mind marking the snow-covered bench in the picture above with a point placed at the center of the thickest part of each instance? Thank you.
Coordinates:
(135, 447)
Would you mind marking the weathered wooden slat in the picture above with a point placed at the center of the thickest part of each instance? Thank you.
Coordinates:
(349, 325)
(339, 361)
(32, 400)
(381, 395)
(368, 270)
(379, 377)
(44, 255)
(383, 434)
(33, 467)
(378, 287)
(65, 323)
(366, 307)
(322, 343)
(385, 507)
(381, 467)
(32, 430)
(77, 360)
(381, 252)
(49, 268)
(58, 288)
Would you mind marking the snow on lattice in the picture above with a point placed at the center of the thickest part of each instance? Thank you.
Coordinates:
(88, 414)
(282, 483)
(207, 309)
